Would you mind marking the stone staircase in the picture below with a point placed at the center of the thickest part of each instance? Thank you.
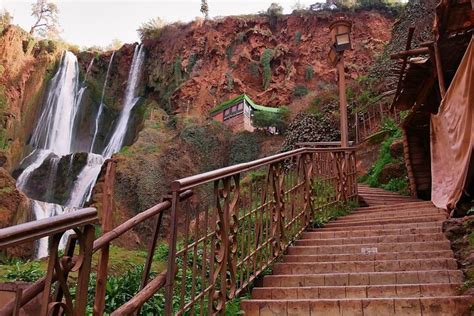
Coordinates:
(375, 196)
(380, 260)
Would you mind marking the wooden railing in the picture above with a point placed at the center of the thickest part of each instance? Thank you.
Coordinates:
(56, 295)
(226, 228)
(369, 120)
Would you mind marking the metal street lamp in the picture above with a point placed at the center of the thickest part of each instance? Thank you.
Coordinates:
(341, 41)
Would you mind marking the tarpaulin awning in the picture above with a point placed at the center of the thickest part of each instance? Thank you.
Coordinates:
(452, 137)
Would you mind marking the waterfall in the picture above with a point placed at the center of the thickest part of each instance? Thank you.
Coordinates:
(55, 126)
(101, 105)
(82, 189)
(116, 140)
(53, 136)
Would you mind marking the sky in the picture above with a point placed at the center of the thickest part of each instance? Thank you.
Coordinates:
(87, 22)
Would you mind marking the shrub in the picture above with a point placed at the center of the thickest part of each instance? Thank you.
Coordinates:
(264, 119)
(5, 19)
(28, 272)
(297, 37)
(191, 63)
(151, 29)
(273, 13)
(178, 75)
(244, 147)
(308, 73)
(300, 91)
(253, 68)
(230, 81)
(265, 61)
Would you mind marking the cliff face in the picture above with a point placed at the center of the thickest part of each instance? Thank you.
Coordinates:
(25, 67)
(194, 67)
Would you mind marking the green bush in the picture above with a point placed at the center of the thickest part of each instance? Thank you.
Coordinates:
(264, 119)
(308, 73)
(27, 272)
(297, 37)
(151, 29)
(191, 63)
(273, 13)
(244, 147)
(300, 91)
(372, 177)
(265, 61)
(253, 68)
(230, 81)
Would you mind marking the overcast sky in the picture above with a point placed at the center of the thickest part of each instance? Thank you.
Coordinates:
(89, 22)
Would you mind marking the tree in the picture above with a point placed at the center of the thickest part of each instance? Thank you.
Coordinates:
(5, 18)
(46, 15)
(115, 44)
(274, 11)
(205, 9)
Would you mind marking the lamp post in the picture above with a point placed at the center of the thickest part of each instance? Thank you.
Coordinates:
(341, 41)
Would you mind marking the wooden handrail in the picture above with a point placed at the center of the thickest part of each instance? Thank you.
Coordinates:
(134, 221)
(30, 231)
(189, 182)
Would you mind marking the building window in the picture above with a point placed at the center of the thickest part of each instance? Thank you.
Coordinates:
(233, 111)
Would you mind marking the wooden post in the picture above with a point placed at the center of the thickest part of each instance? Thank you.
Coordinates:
(439, 70)
(342, 102)
(107, 206)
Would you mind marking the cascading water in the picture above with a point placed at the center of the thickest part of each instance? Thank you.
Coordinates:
(101, 106)
(53, 136)
(116, 140)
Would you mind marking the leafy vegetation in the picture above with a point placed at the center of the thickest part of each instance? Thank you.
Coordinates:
(5, 20)
(300, 91)
(265, 61)
(151, 29)
(46, 23)
(273, 13)
(24, 271)
(372, 177)
(297, 37)
(308, 73)
(279, 120)
(244, 147)
(230, 81)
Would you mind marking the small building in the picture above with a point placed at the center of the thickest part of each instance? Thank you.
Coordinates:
(436, 88)
(238, 113)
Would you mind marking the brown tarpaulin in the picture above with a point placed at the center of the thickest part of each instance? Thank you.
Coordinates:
(452, 137)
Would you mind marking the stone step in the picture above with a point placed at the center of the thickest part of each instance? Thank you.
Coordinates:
(395, 220)
(369, 248)
(364, 278)
(318, 234)
(361, 291)
(384, 226)
(443, 305)
(400, 206)
(289, 268)
(391, 213)
(367, 240)
(370, 257)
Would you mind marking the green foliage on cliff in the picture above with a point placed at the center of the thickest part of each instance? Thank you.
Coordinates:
(151, 29)
(230, 81)
(5, 19)
(308, 73)
(265, 61)
(300, 91)
(244, 147)
(372, 177)
(178, 74)
(297, 37)
(267, 119)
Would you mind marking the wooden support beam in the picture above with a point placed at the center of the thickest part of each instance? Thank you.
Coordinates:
(439, 70)
(411, 52)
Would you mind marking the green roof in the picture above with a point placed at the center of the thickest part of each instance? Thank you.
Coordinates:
(229, 103)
